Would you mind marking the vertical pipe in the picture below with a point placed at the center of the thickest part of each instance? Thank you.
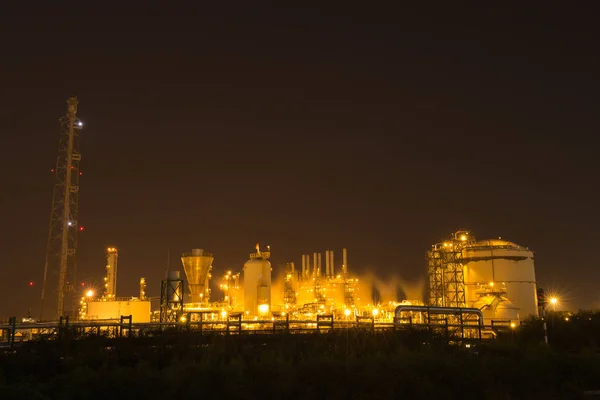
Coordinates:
(315, 261)
(303, 266)
(326, 262)
(331, 264)
(319, 264)
(293, 268)
(344, 261)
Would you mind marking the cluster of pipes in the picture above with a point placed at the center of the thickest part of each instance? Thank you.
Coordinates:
(308, 272)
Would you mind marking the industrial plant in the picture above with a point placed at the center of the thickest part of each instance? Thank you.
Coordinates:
(482, 283)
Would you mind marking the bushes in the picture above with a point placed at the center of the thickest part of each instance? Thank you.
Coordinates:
(341, 365)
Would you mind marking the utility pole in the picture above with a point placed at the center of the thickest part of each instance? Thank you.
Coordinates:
(61, 248)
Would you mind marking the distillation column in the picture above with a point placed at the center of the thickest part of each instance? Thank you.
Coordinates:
(110, 280)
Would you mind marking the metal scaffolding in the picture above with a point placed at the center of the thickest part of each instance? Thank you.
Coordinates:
(446, 271)
(61, 248)
(171, 299)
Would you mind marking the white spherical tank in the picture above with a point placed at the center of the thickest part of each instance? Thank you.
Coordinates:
(498, 261)
(257, 284)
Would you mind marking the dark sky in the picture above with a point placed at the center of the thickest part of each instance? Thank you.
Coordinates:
(380, 130)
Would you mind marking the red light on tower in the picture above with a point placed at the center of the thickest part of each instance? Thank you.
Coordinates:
(82, 283)
(81, 228)
(30, 283)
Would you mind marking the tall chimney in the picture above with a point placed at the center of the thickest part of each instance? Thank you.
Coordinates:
(331, 264)
(320, 265)
(315, 264)
(344, 261)
(303, 266)
(327, 263)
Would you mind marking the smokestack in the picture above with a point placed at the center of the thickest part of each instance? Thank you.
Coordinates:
(331, 269)
(320, 265)
(303, 266)
(344, 261)
(293, 268)
(142, 288)
(308, 272)
(315, 264)
(327, 263)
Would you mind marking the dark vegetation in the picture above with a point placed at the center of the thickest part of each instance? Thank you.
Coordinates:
(409, 364)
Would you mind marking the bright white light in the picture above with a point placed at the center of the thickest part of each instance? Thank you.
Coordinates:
(347, 312)
(263, 308)
(90, 293)
(553, 300)
(70, 223)
(224, 314)
(375, 312)
(80, 123)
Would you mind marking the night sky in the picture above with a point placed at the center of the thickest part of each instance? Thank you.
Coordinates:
(379, 130)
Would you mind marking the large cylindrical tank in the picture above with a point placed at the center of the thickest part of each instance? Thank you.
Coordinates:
(257, 285)
(506, 263)
(496, 308)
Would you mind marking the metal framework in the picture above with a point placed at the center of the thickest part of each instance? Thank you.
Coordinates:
(171, 300)
(61, 248)
(446, 271)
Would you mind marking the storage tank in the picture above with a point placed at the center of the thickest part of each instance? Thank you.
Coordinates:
(197, 265)
(496, 307)
(506, 263)
(113, 310)
(257, 284)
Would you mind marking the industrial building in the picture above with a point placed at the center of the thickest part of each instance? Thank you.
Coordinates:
(494, 276)
(109, 307)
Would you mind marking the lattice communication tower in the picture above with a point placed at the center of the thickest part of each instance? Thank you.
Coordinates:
(61, 249)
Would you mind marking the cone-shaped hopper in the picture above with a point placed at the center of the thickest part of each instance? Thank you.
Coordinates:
(197, 265)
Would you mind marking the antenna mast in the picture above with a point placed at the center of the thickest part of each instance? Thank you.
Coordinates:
(61, 249)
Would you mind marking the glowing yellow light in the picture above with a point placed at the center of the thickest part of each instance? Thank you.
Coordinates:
(567, 319)
(283, 314)
(463, 237)
(513, 325)
(183, 319)
(224, 314)
(492, 284)
(375, 312)
(347, 312)
(553, 300)
(90, 293)
(263, 308)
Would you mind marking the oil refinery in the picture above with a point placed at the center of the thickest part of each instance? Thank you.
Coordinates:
(484, 282)
(487, 282)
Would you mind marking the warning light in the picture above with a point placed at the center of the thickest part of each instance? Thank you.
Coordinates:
(52, 170)
(30, 283)
(81, 228)
(81, 173)
(82, 283)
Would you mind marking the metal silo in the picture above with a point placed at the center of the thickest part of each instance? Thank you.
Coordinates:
(499, 262)
(197, 265)
(257, 284)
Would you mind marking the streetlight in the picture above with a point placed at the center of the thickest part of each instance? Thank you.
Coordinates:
(554, 302)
